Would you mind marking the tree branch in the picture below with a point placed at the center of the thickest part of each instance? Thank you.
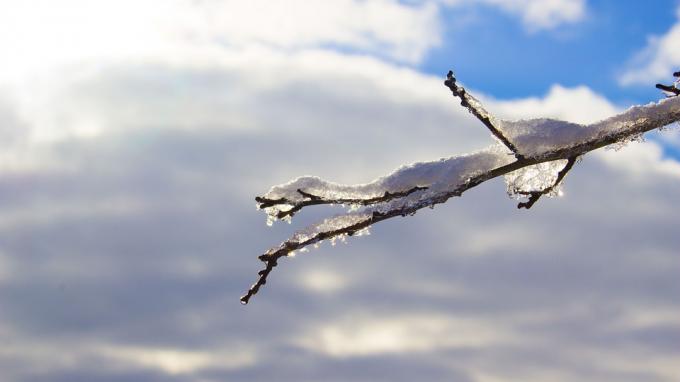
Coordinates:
(475, 107)
(631, 123)
(313, 200)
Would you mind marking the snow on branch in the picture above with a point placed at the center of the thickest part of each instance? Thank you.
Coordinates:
(534, 156)
(535, 193)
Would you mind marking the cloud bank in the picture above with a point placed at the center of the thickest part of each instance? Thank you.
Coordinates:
(128, 230)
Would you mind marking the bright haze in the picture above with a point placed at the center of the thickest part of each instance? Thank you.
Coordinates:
(134, 136)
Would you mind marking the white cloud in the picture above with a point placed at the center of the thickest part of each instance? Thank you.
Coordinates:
(536, 14)
(144, 235)
(657, 61)
(54, 51)
(641, 161)
(176, 361)
(363, 336)
(322, 281)
(579, 104)
(381, 26)
(544, 14)
(61, 354)
(39, 35)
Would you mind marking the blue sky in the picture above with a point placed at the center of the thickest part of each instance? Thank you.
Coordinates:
(496, 54)
(136, 134)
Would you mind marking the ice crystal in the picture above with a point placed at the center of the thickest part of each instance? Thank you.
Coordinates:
(329, 225)
(624, 142)
(534, 178)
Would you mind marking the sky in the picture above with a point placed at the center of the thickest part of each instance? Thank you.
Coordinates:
(136, 134)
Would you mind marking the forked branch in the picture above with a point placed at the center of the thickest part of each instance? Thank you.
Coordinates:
(535, 195)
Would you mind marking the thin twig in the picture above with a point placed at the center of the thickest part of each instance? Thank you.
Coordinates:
(670, 89)
(475, 107)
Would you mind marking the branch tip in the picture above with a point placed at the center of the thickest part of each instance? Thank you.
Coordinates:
(475, 107)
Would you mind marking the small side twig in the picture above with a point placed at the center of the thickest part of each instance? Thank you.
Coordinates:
(535, 195)
(672, 90)
(475, 107)
(317, 200)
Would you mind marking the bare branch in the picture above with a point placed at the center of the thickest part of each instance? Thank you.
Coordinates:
(475, 107)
